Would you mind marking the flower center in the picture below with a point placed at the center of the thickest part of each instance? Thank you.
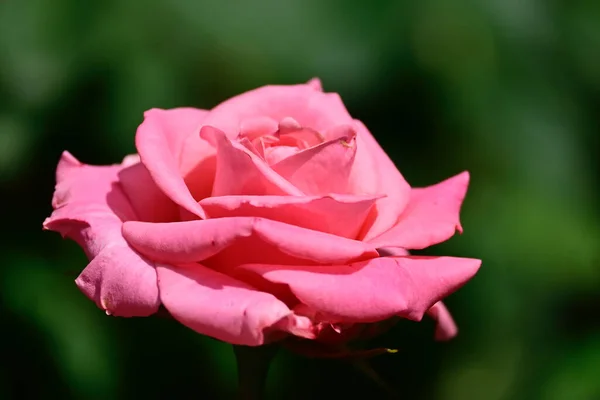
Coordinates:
(275, 143)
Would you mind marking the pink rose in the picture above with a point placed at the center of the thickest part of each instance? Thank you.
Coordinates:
(273, 214)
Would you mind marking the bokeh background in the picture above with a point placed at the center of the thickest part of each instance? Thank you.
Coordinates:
(507, 89)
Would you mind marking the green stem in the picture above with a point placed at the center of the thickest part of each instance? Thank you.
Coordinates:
(253, 366)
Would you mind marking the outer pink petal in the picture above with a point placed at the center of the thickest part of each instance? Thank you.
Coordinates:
(431, 217)
(340, 215)
(316, 84)
(241, 172)
(90, 208)
(373, 290)
(149, 202)
(306, 103)
(159, 141)
(374, 172)
(219, 306)
(324, 168)
(193, 241)
(120, 281)
(445, 326)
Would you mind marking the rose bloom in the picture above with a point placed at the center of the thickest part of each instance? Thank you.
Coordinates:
(274, 214)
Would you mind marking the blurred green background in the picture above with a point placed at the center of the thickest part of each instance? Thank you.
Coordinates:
(508, 89)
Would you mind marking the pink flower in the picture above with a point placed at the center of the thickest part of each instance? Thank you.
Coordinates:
(273, 214)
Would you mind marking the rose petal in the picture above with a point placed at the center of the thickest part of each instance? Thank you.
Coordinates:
(149, 202)
(240, 172)
(224, 308)
(288, 125)
(431, 217)
(253, 128)
(324, 168)
(120, 281)
(445, 326)
(85, 194)
(130, 159)
(193, 241)
(340, 215)
(256, 148)
(374, 172)
(274, 154)
(90, 208)
(316, 84)
(199, 170)
(292, 134)
(307, 104)
(373, 290)
(159, 141)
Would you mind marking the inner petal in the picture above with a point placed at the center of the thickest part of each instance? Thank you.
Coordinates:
(324, 168)
(274, 141)
(275, 154)
(254, 128)
(290, 132)
(303, 138)
(240, 172)
(340, 215)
